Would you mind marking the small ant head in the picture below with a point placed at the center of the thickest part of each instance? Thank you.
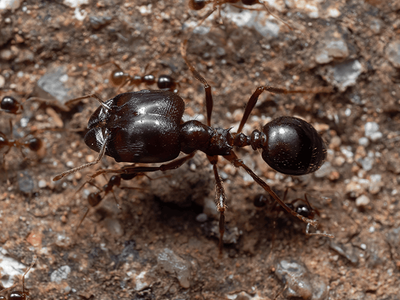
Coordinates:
(11, 105)
(293, 146)
(118, 77)
(34, 144)
(261, 200)
(304, 210)
(18, 295)
(197, 4)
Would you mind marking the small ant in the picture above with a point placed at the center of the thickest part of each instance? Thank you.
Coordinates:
(304, 209)
(147, 127)
(18, 295)
(10, 105)
(200, 4)
(119, 79)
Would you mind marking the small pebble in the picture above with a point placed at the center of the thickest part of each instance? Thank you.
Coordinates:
(201, 217)
(363, 142)
(75, 3)
(2, 81)
(372, 131)
(10, 4)
(362, 201)
(42, 183)
(393, 53)
(25, 182)
(175, 265)
(60, 274)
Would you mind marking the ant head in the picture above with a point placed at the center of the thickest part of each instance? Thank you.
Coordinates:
(293, 146)
(197, 4)
(10, 105)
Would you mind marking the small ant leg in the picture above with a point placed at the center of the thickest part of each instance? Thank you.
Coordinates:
(48, 102)
(102, 103)
(207, 87)
(99, 157)
(274, 90)
(325, 234)
(239, 163)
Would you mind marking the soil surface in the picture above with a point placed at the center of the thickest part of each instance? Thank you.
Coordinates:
(156, 236)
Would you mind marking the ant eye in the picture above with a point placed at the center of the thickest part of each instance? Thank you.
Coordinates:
(293, 146)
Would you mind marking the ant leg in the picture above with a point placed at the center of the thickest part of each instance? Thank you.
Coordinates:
(48, 102)
(219, 200)
(207, 87)
(99, 157)
(239, 163)
(274, 90)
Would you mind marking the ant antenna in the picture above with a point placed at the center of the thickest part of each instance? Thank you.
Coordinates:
(96, 161)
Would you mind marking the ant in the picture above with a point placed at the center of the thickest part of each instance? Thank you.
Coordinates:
(119, 79)
(10, 105)
(304, 209)
(147, 127)
(200, 4)
(18, 295)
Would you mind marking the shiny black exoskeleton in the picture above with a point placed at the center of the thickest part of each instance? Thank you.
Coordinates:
(147, 127)
(10, 105)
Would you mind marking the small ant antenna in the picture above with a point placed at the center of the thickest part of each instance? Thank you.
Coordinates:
(84, 166)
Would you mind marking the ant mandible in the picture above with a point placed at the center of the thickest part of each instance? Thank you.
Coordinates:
(147, 127)
(119, 79)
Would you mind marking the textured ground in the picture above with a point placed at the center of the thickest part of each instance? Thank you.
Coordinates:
(162, 243)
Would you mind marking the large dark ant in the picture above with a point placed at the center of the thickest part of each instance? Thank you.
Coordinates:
(147, 127)
(119, 79)
(18, 295)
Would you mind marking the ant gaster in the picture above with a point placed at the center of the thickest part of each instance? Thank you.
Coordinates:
(147, 127)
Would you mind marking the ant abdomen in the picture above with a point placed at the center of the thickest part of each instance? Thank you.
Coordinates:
(291, 146)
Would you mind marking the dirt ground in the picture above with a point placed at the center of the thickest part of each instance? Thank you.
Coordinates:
(162, 240)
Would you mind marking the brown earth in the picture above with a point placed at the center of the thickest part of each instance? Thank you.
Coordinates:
(163, 241)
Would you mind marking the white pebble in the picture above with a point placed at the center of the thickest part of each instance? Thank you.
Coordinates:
(362, 201)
